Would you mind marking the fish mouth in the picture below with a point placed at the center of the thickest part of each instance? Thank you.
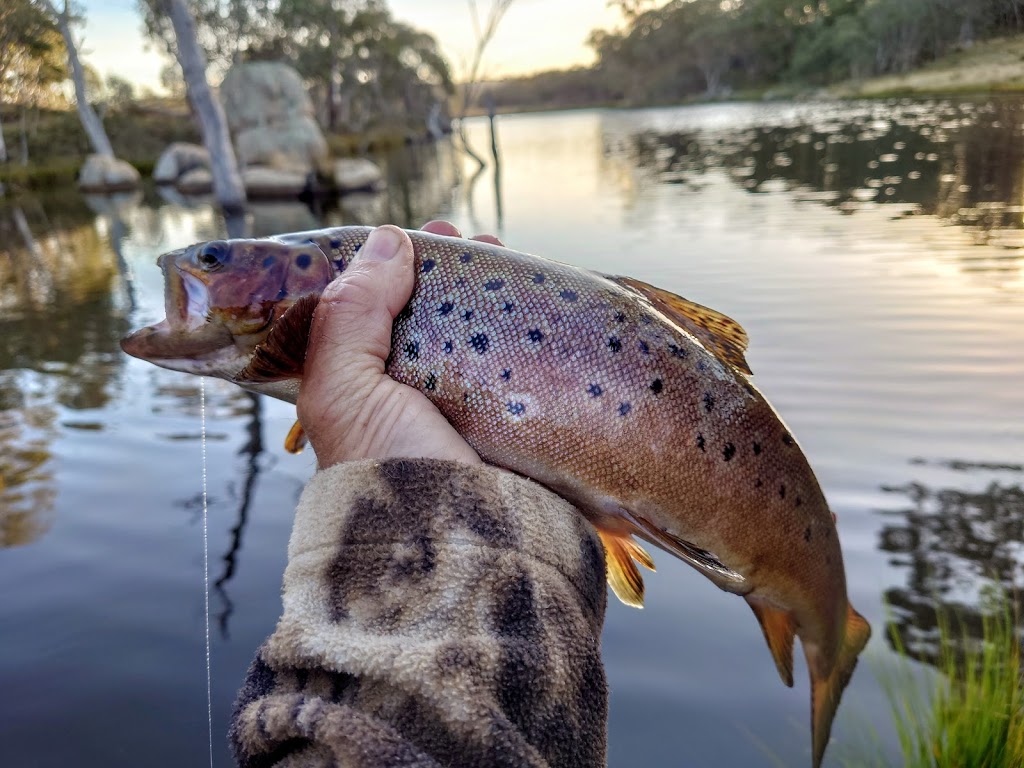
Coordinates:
(187, 331)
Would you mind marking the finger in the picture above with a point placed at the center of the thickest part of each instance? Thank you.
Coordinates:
(351, 333)
(439, 227)
(488, 239)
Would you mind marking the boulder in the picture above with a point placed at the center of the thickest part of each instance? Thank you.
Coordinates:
(271, 117)
(357, 174)
(198, 181)
(178, 159)
(261, 181)
(107, 174)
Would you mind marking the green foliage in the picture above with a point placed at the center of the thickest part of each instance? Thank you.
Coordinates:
(976, 715)
(32, 55)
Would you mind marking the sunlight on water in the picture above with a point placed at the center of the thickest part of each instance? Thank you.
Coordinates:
(873, 251)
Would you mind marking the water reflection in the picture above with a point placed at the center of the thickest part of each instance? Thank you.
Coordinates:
(960, 161)
(955, 544)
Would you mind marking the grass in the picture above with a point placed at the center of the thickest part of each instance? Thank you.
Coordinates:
(974, 718)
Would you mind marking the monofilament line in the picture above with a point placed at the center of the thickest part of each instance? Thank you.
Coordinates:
(206, 567)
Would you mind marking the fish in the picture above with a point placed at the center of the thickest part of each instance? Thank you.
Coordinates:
(634, 404)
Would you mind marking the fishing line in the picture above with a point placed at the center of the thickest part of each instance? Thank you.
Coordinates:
(206, 567)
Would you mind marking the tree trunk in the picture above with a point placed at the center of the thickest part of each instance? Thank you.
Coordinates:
(227, 181)
(90, 121)
(3, 143)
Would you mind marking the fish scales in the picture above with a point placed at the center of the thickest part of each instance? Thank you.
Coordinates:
(628, 401)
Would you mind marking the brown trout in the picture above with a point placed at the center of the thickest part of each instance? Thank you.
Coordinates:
(631, 402)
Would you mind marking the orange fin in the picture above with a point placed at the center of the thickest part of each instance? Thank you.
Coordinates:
(282, 354)
(827, 690)
(623, 576)
(295, 440)
(706, 562)
(717, 332)
(779, 627)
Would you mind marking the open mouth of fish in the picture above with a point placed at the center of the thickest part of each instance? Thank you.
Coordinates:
(188, 330)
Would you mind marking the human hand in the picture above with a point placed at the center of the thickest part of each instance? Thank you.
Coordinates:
(348, 406)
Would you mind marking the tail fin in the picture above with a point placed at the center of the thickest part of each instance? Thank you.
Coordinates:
(779, 627)
(827, 690)
(623, 576)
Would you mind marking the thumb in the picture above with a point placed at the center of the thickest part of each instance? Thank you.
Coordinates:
(350, 337)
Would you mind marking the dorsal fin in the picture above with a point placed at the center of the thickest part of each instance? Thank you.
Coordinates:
(282, 355)
(717, 332)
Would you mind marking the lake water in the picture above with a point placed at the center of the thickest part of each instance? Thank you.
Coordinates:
(873, 251)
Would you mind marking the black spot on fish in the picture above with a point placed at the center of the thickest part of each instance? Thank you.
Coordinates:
(700, 442)
(269, 261)
(516, 409)
(445, 308)
(642, 346)
(787, 438)
(782, 491)
(535, 335)
(569, 296)
(448, 347)
(758, 484)
(479, 342)
(624, 408)
(676, 350)
(807, 533)
(798, 502)
(466, 257)
(467, 315)
(709, 402)
(646, 319)
(595, 390)
(620, 317)
(335, 242)
(614, 344)
(339, 264)
(412, 350)
(428, 265)
(303, 260)
(494, 285)
(729, 451)
(828, 533)
(506, 374)
(356, 247)
(509, 306)
(431, 383)
(757, 448)
(538, 278)
(657, 386)
(465, 397)
(702, 366)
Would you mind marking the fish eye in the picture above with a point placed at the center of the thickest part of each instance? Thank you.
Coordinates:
(212, 256)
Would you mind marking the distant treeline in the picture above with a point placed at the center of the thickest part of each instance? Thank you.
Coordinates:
(690, 48)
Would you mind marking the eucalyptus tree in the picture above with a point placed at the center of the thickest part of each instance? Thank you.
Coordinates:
(64, 18)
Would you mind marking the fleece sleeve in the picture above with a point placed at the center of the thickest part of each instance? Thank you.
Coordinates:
(435, 614)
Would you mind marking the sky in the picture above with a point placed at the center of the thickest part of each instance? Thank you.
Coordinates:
(534, 35)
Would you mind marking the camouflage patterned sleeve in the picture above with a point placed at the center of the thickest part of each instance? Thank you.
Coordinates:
(435, 614)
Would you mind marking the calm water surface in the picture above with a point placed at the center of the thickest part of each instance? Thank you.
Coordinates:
(873, 251)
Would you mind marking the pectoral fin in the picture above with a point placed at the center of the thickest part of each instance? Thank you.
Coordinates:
(717, 332)
(779, 628)
(282, 355)
(827, 688)
(624, 577)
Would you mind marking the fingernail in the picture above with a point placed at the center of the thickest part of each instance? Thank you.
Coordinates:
(383, 244)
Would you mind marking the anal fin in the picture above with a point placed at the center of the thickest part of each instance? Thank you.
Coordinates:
(779, 628)
(623, 576)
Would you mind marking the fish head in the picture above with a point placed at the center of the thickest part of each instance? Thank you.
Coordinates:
(221, 299)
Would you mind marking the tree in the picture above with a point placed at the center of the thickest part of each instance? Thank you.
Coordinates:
(227, 181)
(32, 57)
(91, 122)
